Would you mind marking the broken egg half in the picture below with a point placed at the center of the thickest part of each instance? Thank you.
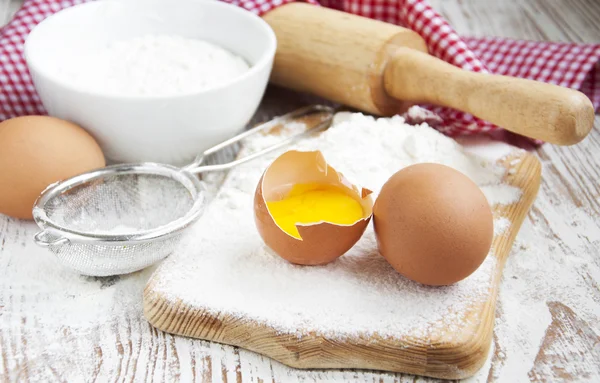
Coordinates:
(307, 212)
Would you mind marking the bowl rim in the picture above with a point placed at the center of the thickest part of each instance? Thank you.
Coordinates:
(265, 59)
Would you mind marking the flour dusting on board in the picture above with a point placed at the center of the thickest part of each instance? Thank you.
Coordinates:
(501, 224)
(224, 266)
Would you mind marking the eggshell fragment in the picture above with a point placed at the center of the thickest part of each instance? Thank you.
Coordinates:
(433, 224)
(321, 242)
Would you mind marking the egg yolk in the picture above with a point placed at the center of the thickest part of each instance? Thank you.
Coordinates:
(314, 203)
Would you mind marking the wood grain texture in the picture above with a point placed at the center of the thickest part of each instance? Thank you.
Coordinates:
(533, 109)
(347, 66)
(382, 69)
(565, 220)
(452, 354)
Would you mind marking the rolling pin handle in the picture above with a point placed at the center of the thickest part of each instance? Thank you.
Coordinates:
(551, 113)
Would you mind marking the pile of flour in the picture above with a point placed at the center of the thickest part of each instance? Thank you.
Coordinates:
(155, 65)
(224, 267)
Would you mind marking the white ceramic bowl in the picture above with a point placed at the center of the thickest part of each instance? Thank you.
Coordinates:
(172, 129)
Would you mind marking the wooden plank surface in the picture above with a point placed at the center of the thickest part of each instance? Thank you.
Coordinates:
(547, 322)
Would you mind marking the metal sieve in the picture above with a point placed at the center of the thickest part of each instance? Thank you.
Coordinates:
(123, 218)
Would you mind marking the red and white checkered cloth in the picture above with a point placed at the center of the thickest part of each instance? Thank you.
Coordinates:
(572, 65)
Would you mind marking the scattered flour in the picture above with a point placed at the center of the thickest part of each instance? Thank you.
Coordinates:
(501, 194)
(549, 299)
(501, 224)
(486, 147)
(120, 229)
(359, 294)
(160, 65)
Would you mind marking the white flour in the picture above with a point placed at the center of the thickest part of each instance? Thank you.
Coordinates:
(501, 224)
(120, 229)
(232, 272)
(154, 65)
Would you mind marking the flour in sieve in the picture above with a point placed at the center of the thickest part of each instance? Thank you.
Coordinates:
(153, 65)
(225, 268)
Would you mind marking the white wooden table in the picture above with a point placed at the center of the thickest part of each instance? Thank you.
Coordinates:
(55, 326)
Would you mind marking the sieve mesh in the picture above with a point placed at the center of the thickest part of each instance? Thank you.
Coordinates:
(118, 204)
(106, 260)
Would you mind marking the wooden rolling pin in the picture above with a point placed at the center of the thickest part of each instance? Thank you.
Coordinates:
(382, 69)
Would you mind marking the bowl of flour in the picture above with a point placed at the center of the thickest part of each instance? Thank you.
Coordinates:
(152, 80)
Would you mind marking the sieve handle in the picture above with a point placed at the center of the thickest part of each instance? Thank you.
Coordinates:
(197, 167)
(43, 242)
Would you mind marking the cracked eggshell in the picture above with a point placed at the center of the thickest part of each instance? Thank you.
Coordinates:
(321, 242)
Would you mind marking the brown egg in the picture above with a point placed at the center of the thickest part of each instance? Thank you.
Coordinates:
(36, 151)
(433, 224)
(320, 242)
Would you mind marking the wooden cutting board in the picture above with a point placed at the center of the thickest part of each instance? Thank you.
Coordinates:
(451, 354)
